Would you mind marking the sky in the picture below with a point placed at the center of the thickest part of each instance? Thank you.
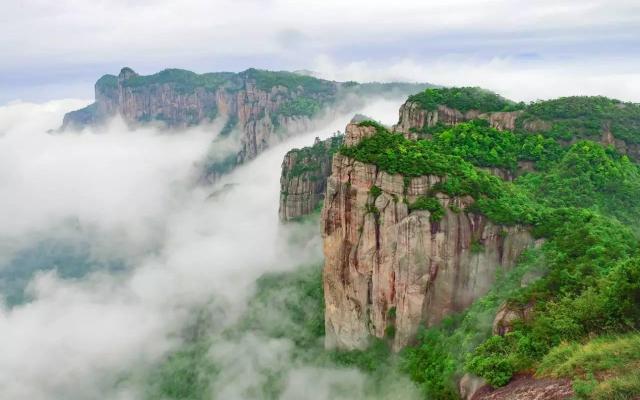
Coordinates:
(522, 49)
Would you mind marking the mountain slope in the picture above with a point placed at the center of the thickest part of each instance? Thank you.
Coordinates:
(484, 241)
(258, 107)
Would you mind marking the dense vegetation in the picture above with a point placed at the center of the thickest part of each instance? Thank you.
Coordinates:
(107, 82)
(300, 106)
(584, 282)
(265, 80)
(464, 99)
(182, 80)
(580, 289)
(310, 160)
(583, 117)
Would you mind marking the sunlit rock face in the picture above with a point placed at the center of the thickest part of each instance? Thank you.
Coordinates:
(389, 270)
(180, 98)
(414, 118)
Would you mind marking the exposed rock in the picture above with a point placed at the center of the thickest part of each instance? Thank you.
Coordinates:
(261, 107)
(526, 387)
(508, 315)
(414, 118)
(304, 178)
(381, 257)
(354, 133)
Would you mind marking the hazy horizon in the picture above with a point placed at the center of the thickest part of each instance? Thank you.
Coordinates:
(522, 50)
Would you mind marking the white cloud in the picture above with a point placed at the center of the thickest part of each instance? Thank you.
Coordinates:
(506, 76)
(75, 42)
(77, 338)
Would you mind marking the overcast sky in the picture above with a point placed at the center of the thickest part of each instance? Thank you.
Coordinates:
(523, 49)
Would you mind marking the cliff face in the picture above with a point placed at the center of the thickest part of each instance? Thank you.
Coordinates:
(414, 117)
(304, 178)
(250, 103)
(259, 106)
(389, 269)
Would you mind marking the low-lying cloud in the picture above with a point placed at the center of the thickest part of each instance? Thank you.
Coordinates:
(136, 192)
(518, 79)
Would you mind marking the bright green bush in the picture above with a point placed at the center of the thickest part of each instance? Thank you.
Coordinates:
(463, 99)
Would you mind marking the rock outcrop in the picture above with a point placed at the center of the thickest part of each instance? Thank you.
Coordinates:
(304, 178)
(508, 315)
(388, 269)
(414, 118)
(261, 107)
(179, 98)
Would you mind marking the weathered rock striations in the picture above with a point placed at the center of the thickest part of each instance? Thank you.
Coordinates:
(180, 98)
(414, 118)
(304, 178)
(260, 106)
(389, 269)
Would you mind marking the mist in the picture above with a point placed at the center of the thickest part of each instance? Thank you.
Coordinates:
(132, 197)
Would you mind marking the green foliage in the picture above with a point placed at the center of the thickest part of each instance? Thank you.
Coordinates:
(393, 153)
(300, 106)
(391, 313)
(431, 366)
(374, 357)
(476, 247)
(181, 80)
(485, 146)
(314, 161)
(430, 204)
(494, 360)
(375, 191)
(390, 331)
(231, 123)
(463, 99)
(107, 83)
(583, 117)
(184, 375)
(288, 305)
(590, 176)
(602, 368)
(265, 80)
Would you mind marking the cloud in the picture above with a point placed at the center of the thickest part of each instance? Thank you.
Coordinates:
(85, 39)
(507, 76)
(86, 337)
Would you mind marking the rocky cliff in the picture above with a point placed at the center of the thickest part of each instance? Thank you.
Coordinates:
(415, 119)
(304, 177)
(254, 102)
(260, 107)
(567, 119)
(389, 268)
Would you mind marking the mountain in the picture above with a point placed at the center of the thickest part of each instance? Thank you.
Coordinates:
(304, 178)
(259, 107)
(490, 241)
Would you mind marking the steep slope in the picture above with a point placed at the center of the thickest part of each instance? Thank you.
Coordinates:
(257, 105)
(567, 119)
(490, 252)
(399, 252)
(304, 177)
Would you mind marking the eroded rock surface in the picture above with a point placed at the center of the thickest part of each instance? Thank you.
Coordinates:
(304, 178)
(390, 270)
